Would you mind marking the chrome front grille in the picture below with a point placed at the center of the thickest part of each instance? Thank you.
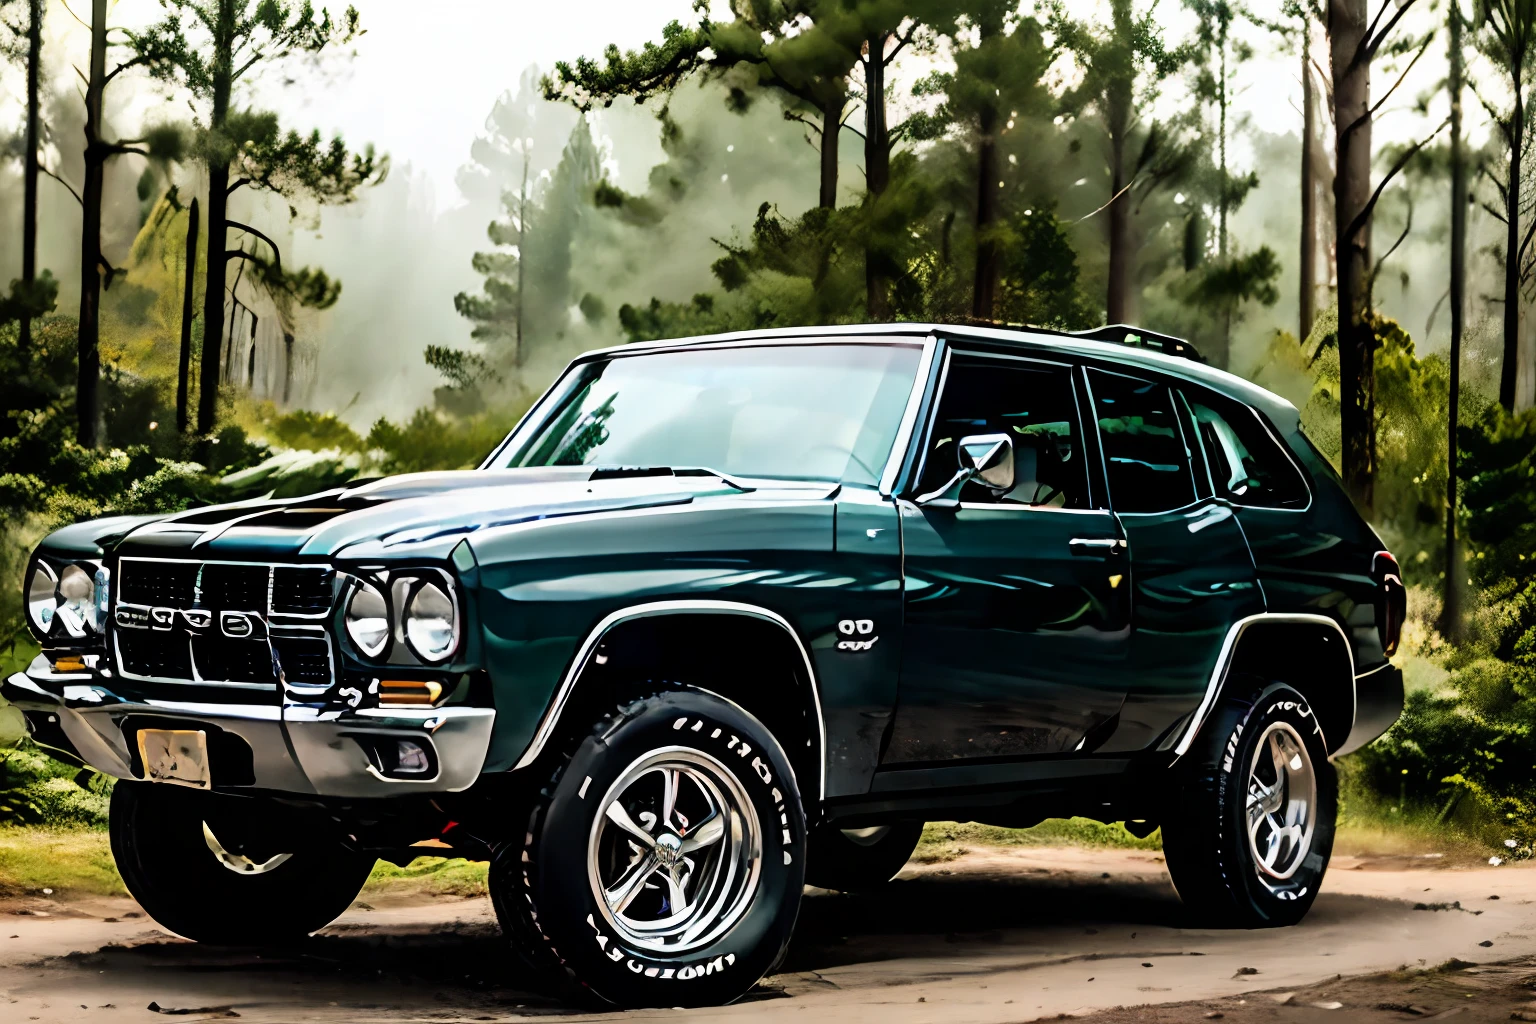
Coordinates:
(238, 624)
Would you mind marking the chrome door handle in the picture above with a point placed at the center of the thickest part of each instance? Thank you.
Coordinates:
(1096, 547)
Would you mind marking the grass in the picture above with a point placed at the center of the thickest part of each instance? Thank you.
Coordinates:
(78, 863)
(944, 841)
(71, 862)
(440, 876)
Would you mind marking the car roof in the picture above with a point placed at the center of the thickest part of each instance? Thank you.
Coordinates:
(1026, 339)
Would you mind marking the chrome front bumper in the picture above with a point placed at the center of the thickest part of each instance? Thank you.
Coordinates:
(295, 749)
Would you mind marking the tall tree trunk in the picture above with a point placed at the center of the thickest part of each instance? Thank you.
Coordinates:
(1450, 613)
(88, 379)
(218, 205)
(831, 126)
(189, 285)
(1307, 291)
(287, 367)
(1507, 374)
(1347, 21)
(877, 173)
(1225, 198)
(29, 169)
(522, 263)
(983, 295)
(1119, 295)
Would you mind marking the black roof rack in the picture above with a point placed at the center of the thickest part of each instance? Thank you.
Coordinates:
(1138, 337)
(1114, 334)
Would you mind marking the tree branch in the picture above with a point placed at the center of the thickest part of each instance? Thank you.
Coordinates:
(1402, 161)
(236, 184)
(1376, 270)
(42, 167)
(242, 69)
(901, 43)
(277, 254)
(72, 14)
(1369, 46)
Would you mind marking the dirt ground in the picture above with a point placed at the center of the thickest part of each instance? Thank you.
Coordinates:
(999, 935)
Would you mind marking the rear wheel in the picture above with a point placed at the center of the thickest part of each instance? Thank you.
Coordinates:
(229, 870)
(663, 863)
(860, 859)
(1250, 830)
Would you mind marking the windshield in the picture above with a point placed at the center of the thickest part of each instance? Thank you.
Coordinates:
(791, 412)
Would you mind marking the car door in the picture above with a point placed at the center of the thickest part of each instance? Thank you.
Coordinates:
(1015, 628)
(1191, 572)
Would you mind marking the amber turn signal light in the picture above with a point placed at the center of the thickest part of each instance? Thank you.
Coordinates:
(69, 663)
(408, 693)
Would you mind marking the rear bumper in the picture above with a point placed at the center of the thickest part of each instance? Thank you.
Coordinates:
(1378, 703)
(290, 749)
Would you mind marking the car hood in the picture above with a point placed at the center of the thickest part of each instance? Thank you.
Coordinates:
(416, 515)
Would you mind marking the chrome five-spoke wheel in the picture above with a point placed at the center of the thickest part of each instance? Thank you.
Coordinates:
(675, 853)
(1281, 803)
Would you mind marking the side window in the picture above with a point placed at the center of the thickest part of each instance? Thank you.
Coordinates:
(1034, 405)
(1246, 463)
(1145, 456)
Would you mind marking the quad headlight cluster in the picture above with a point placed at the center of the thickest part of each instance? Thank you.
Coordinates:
(413, 611)
(67, 600)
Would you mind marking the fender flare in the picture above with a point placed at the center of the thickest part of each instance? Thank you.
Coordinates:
(1219, 674)
(655, 609)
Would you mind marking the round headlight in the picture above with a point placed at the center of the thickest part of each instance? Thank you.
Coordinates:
(77, 601)
(368, 619)
(42, 596)
(430, 625)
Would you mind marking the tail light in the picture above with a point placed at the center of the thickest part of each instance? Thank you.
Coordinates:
(1391, 600)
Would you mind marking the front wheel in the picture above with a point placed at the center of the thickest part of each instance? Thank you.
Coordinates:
(1250, 828)
(663, 863)
(227, 870)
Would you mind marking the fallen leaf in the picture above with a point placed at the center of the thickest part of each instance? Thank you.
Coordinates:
(1333, 1004)
(1486, 942)
(1245, 970)
(1215, 1015)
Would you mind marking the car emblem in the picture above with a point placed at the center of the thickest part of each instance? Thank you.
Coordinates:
(161, 618)
(235, 624)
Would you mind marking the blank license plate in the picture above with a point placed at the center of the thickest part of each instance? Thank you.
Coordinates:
(178, 756)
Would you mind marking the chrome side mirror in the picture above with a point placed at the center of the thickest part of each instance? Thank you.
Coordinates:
(988, 458)
(985, 458)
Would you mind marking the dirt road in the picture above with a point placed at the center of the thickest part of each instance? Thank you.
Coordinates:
(996, 936)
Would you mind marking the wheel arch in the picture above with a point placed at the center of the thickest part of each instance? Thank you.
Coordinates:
(689, 641)
(1306, 651)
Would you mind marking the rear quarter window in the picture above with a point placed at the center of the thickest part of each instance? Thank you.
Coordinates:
(1247, 463)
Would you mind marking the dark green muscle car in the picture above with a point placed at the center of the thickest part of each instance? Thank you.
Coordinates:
(729, 615)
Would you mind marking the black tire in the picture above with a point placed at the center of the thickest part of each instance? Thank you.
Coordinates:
(848, 862)
(544, 887)
(1206, 842)
(169, 867)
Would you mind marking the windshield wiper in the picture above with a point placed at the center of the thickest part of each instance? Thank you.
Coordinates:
(621, 472)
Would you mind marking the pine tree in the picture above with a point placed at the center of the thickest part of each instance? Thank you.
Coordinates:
(1354, 39)
(529, 285)
(1506, 35)
(210, 47)
(31, 296)
(1123, 62)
